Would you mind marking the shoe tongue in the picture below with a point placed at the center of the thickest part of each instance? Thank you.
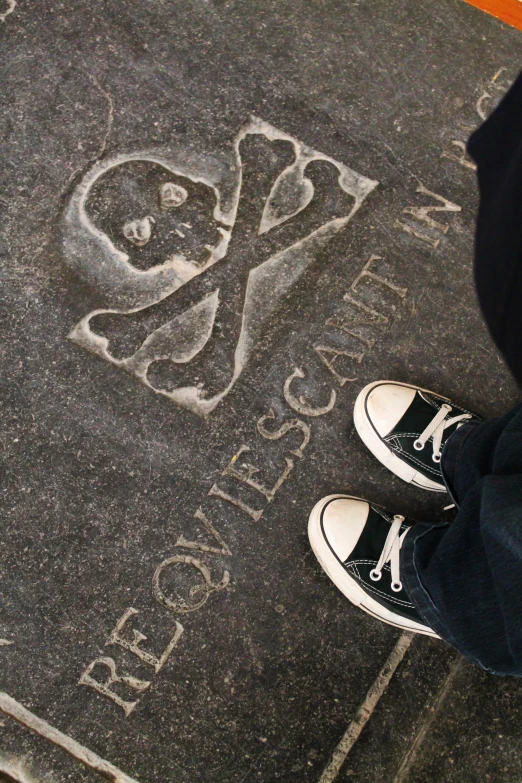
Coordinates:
(373, 538)
(420, 413)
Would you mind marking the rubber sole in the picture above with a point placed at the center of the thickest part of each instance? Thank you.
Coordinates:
(345, 583)
(380, 450)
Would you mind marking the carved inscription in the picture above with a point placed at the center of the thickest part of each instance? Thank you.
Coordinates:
(355, 323)
(223, 548)
(422, 215)
(248, 486)
(288, 426)
(488, 99)
(190, 262)
(300, 405)
(105, 686)
(457, 151)
(491, 96)
(358, 321)
(198, 594)
(133, 645)
(102, 676)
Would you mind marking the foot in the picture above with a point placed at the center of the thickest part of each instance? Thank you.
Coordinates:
(406, 428)
(358, 545)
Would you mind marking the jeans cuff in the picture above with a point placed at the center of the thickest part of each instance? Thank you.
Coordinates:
(420, 596)
(411, 580)
(451, 457)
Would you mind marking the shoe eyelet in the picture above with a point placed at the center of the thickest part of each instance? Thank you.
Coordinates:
(436, 458)
(396, 587)
(375, 575)
(417, 445)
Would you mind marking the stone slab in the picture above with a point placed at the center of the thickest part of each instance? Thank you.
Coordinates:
(253, 663)
(404, 713)
(474, 735)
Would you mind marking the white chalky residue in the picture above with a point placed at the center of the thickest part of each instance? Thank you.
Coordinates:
(17, 770)
(87, 757)
(11, 5)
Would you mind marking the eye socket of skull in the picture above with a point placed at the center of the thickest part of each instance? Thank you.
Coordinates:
(171, 195)
(138, 232)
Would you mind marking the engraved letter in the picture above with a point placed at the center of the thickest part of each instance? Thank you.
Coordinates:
(207, 524)
(105, 687)
(371, 317)
(365, 272)
(365, 317)
(324, 351)
(300, 405)
(256, 514)
(346, 326)
(423, 214)
(218, 492)
(134, 645)
(481, 109)
(245, 473)
(293, 424)
(203, 589)
(483, 103)
(462, 158)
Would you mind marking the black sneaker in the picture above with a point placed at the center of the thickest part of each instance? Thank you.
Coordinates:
(358, 545)
(406, 428)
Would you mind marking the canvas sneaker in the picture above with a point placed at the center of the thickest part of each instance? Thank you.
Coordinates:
(406, 428)
(358, 544)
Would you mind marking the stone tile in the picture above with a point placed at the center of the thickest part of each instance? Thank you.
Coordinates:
(402, 712)
(103, 105)
(475, 735)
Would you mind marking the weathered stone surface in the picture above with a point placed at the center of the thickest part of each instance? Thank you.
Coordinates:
(403, 713)
(475, 734)
(101, 474)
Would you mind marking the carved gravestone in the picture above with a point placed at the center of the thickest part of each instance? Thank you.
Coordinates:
(218, 223)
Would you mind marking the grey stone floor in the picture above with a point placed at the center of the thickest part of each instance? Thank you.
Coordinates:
(160, 606)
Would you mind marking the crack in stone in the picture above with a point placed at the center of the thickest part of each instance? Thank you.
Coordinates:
(110, 117)
(79, 172)
(412, 753)
(366, 708)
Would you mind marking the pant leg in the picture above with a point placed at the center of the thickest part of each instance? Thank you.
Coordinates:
(496, 148)
(466, 577)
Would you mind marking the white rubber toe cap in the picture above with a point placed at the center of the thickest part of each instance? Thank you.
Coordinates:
(386, 404)
(343, 521)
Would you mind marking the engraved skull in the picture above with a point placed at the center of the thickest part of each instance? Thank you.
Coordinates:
(153, 215)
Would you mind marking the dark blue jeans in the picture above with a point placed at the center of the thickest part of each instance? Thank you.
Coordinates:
(466, 577)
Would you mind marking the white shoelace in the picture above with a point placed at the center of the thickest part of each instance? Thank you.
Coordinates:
(390, 554)
(436, 427)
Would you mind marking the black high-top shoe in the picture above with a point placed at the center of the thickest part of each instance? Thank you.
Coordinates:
(406, 428)
(359, 545)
